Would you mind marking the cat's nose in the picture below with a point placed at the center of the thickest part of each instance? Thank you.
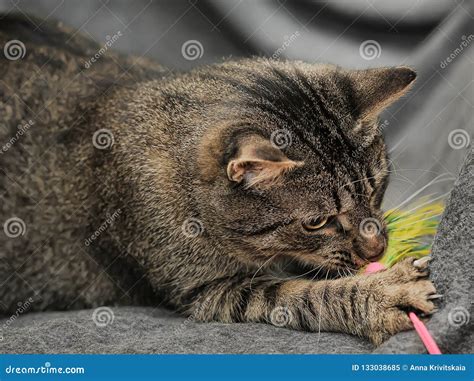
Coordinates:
(375, 247)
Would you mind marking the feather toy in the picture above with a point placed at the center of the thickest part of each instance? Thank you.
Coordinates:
(411, 232)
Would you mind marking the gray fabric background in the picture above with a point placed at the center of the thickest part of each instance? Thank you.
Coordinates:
(426, 160)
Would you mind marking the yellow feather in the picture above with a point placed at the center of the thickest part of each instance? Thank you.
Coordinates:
(411, 232)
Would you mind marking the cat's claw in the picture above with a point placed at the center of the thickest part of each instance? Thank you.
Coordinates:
(422, 263)
(428, 314)
(435, 296)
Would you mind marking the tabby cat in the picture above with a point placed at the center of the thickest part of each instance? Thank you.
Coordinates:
(235, 192)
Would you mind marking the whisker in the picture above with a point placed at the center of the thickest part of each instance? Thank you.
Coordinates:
(429, 201)
(321, 307)
(319, 267)
(261, 267)
(422, 219)
(436, 180)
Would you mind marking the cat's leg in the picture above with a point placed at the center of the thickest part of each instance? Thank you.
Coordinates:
(372, 306)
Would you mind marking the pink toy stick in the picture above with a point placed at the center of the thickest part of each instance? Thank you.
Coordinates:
(424, 334)
(420, 327)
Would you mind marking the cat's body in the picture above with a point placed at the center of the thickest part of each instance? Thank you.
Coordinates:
(177, 189)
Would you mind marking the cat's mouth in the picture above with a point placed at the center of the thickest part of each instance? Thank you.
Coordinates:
(358, 261)
(347, 261)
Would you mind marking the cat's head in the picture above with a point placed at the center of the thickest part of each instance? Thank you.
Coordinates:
(295, 167)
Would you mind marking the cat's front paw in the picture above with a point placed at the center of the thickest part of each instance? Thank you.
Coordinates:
(392, 293)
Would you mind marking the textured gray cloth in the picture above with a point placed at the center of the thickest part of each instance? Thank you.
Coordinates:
(148, 330)
(155, 330)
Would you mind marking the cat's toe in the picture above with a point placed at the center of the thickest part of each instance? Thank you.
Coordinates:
(378, 337)
(418, 296)
(410, 269)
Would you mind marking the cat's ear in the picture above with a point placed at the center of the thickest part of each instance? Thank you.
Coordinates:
(258, 163)
(375, 89)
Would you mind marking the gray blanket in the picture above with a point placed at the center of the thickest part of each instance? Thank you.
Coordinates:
(424, 153)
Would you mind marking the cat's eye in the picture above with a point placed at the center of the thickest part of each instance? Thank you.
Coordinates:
(315, 223)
